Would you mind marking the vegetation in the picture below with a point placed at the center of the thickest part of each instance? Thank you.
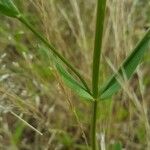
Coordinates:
(40, 118)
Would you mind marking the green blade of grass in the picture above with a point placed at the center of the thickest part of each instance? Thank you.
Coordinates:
(72, 83)
(65, 75)
(117, 146)
(8, 8)
(127, 68)
(16, 135)
(55, 52)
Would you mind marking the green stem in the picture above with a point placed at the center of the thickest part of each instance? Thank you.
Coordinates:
(28, 25)
(93, 127)
(98, 44)
(101, 4)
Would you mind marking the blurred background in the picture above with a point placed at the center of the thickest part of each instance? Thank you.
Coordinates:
(34, 100)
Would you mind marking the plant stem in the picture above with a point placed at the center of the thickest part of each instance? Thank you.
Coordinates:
(101, 4)
(98, 44)
(28, 25)
(93, 127)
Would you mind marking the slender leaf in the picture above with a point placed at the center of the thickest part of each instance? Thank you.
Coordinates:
(8, 8)
(16, 135)
(72, 83)
(117, 146)
(127, 68)
(66, 76)
(55, 52)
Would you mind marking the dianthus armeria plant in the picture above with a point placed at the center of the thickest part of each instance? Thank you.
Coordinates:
(80, 86)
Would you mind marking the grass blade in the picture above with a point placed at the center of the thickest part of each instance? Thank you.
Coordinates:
(127, 68)
(77, 87)
(55, 52)
(72, 83)
(117, 146)
(8, 8)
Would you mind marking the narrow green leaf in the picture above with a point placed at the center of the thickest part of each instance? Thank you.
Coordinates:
(127, 68)
(55, 52)
(16, 135)
(117, 146)
(72, 83)
(8, 8)
(66, 76)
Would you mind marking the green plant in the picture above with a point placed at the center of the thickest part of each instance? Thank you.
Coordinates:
(80, 86)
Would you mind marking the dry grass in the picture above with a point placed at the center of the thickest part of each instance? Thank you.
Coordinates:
(31, 90)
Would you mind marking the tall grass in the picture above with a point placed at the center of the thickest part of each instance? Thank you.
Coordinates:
(79, 84)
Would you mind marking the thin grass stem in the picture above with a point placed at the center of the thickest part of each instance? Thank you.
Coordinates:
(72, 68)
(101, 4)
